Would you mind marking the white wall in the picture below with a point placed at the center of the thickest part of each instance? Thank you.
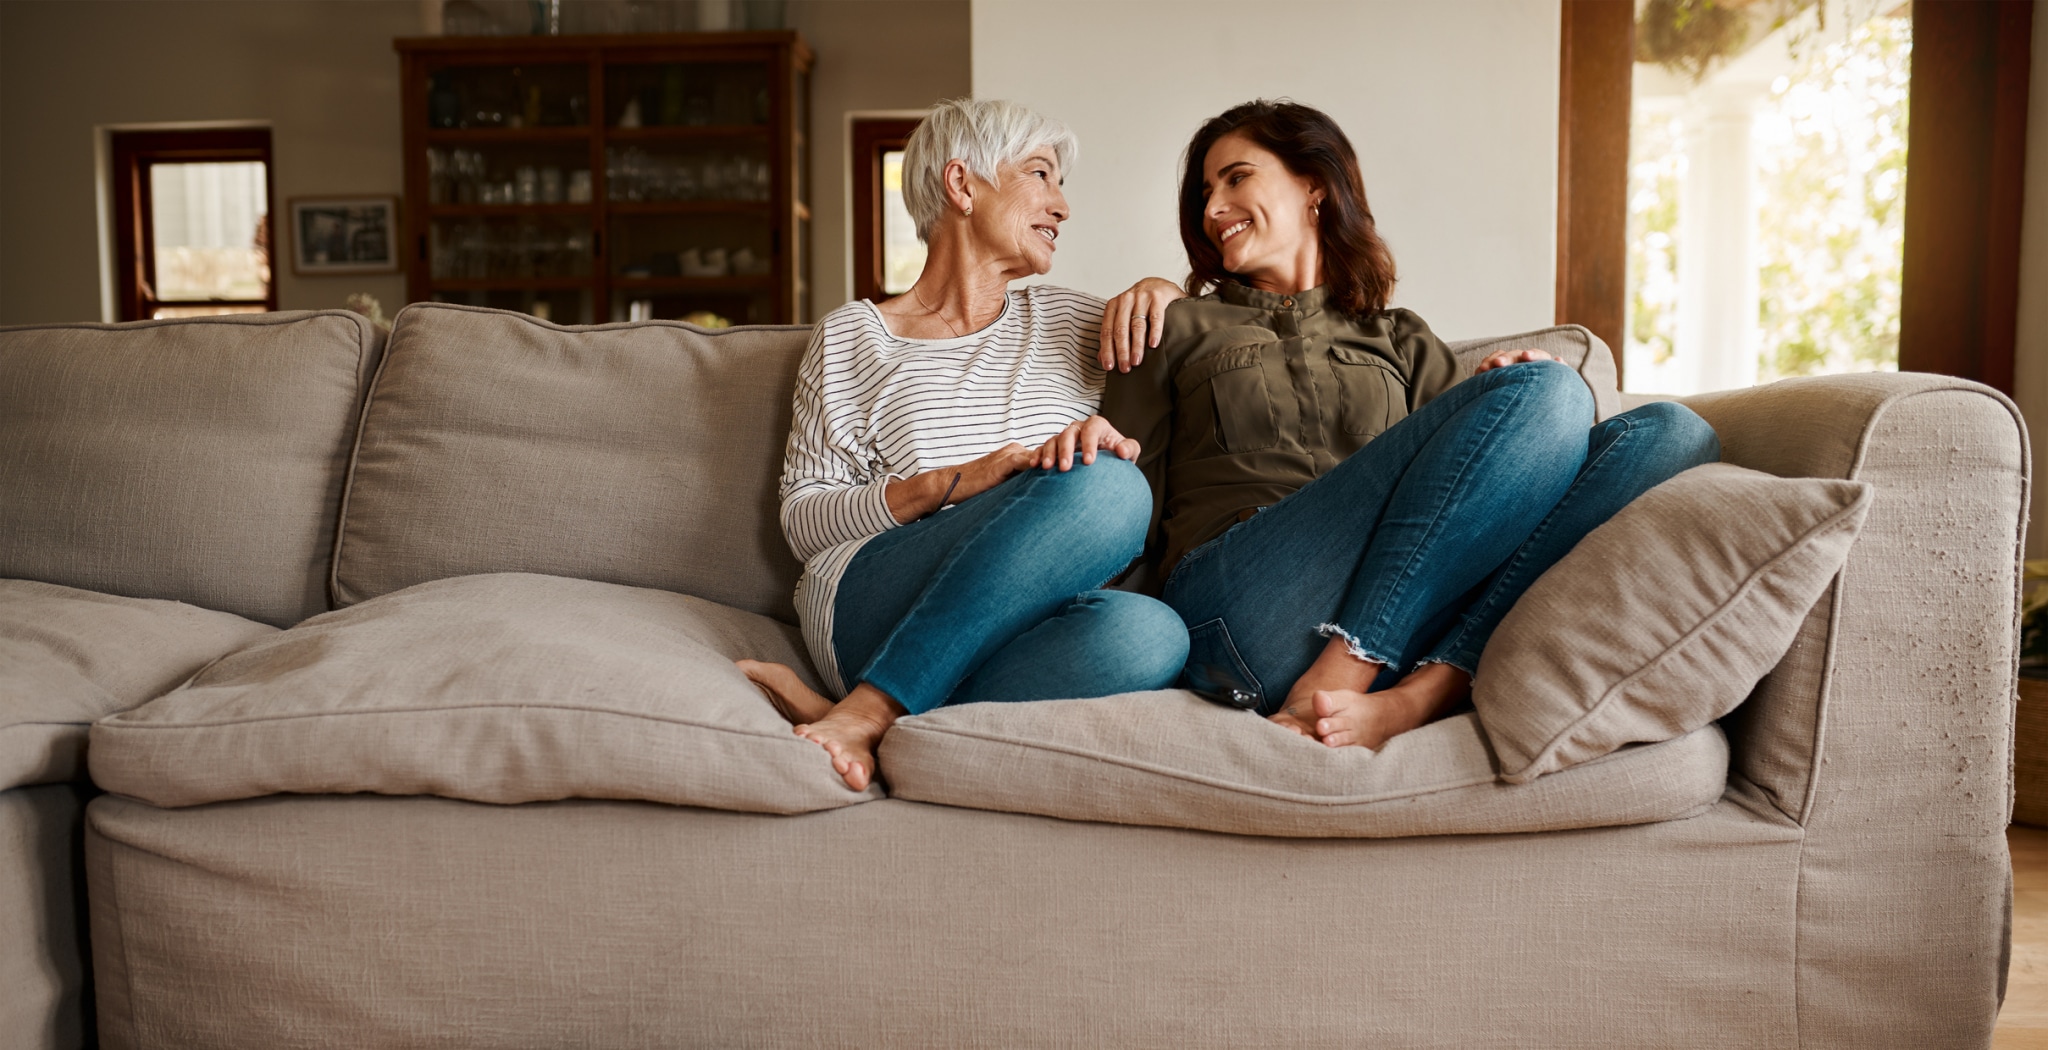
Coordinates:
(872, 55)
(322, 74)
(2030, 365)
(1451, 105)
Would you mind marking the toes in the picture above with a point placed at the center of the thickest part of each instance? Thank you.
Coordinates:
(1325, 704)
(856, 776)
(1341, 738)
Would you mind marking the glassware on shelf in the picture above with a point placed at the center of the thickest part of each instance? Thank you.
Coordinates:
(480, 249)
(466, 96)
(634, 174)
(579, 186)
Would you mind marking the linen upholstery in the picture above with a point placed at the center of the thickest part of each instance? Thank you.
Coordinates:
(500, 688)
(642, 454)
(1886, 730)
(1572, 344)
(1171, 759)
(68, 657)
(1663, 618)
(45, 994)
(199, 460)
(283, 923)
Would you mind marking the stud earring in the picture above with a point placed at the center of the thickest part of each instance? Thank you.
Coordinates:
(968, 211)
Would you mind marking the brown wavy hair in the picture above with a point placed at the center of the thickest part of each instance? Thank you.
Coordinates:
(1357, 267)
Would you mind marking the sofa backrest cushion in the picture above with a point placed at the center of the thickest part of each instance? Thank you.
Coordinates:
(640, 454)
(199, 459)
(1572, 344)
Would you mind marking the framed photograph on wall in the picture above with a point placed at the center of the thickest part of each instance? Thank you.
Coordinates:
(340, 235)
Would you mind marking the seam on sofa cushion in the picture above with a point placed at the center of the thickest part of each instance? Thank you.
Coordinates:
(115, 723)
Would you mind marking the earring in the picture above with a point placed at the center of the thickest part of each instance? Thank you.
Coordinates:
(968, 211)
(1315, 211)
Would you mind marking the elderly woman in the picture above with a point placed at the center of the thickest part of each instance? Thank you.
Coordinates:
(942, 564)
(1345, 516)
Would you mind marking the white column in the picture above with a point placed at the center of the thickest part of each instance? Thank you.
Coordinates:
(1717, 266)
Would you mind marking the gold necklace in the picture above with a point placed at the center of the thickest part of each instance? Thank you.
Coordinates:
(950, 327)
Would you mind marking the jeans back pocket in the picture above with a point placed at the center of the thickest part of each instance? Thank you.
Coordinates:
(1215, 672)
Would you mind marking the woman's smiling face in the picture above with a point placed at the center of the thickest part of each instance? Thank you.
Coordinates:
(1260, 215)
(1020, 219)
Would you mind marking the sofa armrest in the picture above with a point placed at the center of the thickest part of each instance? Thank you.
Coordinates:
(1885, 732)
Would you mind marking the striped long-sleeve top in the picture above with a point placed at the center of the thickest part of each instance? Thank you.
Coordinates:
(872, 407)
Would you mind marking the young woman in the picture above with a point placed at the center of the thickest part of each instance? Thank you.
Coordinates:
(940, 566)
(1343, 517)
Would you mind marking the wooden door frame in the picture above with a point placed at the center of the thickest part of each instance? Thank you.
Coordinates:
(1595, 90)
(1966, 146)
(1965, 176)
(869, 138)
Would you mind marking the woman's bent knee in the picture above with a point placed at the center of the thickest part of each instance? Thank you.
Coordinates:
(1680, 432)
(1556, 385)
(1149, 640)
(1109, 496)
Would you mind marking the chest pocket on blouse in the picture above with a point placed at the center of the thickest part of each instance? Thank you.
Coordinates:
(1371, 395)
(1233, 386)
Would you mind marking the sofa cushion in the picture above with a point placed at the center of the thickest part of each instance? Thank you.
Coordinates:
(200, 460)
(68, 657)
(1170, 759)
(641, 454)
(1662, 620)
(1570, 343)
(499, 688)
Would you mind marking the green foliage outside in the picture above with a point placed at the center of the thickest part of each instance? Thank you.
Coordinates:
(1832, 189)
(1830, 150)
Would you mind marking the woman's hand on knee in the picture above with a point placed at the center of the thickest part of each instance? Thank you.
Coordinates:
(1510, 357)
(922, 495)
(1132, 321)
(1084, 438)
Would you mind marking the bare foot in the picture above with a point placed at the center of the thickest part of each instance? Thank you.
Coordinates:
(1299, 716)
(850, 732)
(792, 698)
(1335, 668)
(1347, 717)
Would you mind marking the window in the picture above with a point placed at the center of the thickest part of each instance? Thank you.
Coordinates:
(887, 256)
(1766, 201)
(192, 229)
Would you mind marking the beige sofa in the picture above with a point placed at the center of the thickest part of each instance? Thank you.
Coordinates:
(416, 717)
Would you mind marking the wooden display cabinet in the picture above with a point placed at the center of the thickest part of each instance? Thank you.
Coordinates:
(608, 178)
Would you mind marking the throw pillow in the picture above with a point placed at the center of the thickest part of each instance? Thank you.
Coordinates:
(1664, 618)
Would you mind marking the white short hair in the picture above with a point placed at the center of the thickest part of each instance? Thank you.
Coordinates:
(984, 134)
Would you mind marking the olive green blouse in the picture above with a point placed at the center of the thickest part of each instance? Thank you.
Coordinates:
(1251, 395)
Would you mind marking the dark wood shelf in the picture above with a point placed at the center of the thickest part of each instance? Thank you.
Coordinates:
(508, 210)
(497, 284)
(779, 61)
(750, 283)
(689, 207)
(478, 136)
(685, 132)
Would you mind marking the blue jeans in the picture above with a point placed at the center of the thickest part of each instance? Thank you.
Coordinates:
(1415, 547)
(993, 599)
